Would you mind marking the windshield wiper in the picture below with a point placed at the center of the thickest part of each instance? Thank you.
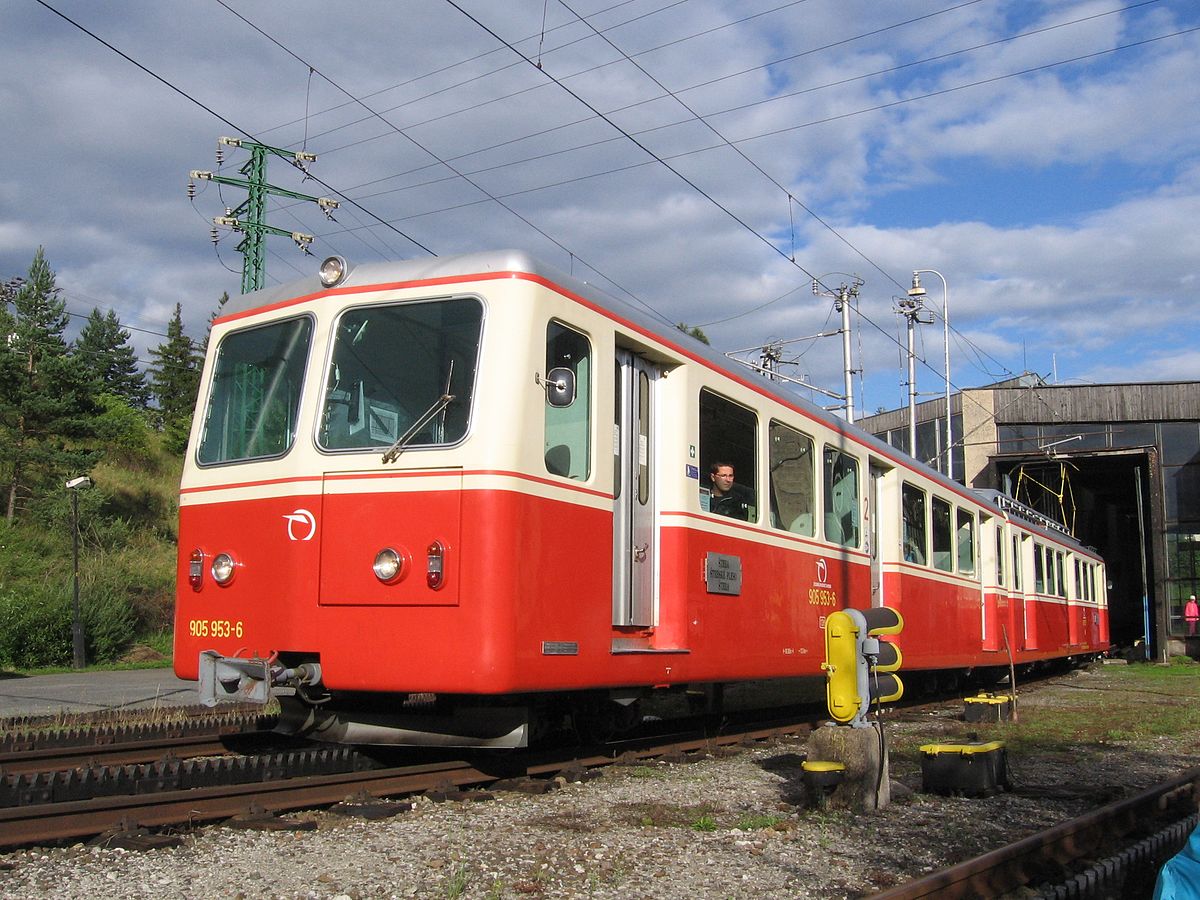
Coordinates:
(393, 452)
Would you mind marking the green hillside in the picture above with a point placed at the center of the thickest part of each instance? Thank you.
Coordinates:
(84, 421)
(127, 529)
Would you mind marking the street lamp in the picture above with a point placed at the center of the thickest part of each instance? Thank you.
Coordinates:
(75, 485)
(917, 291)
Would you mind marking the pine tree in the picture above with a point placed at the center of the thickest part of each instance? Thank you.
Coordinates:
(221, 301)
(174, 380)
(104, 351)
(46, 405)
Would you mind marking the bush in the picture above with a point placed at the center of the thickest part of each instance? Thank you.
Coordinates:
(36, 628)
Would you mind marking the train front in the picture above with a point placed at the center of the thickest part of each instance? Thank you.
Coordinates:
(322, 515)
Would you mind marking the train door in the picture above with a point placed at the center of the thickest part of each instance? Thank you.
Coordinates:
(874, 533)
(633, 492)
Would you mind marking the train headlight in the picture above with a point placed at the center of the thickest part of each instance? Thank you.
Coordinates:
(389, 565)
(223, 568)
(333, 271)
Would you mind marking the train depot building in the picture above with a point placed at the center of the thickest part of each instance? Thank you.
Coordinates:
(1117, 464)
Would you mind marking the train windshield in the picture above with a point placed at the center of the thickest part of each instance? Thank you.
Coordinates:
(255, 395)
(391, 365)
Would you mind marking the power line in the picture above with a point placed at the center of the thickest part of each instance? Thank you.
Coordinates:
(219, 117)
(429, 152)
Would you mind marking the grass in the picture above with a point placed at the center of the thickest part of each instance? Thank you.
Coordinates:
(1110, 704)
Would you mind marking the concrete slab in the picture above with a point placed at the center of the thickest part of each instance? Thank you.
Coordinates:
(81, 692)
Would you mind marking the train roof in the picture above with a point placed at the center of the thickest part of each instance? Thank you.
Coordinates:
(444, 268)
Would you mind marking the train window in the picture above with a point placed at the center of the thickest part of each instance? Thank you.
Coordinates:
(728, 440)
(255, 396)
(1062, 586)
(568, 449)
(1001, 581)
(943, 536)
(916, 539)
(792, 494)
(392, 367)
(1018, 564)
(1078, 583)
(1039, 578)
(966, 542)
(841, 498)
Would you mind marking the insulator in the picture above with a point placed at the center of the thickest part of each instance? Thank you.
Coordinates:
(213, 236)
(220, 155)
(191, 190)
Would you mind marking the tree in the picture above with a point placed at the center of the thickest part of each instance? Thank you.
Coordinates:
(174, 380)
(221, 301)
(104, 351)
(46, 405)
(695, 331)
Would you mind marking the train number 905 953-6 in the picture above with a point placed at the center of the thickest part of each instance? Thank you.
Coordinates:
(217, 628)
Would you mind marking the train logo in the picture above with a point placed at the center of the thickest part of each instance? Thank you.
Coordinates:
(822, 573)
(304, 517)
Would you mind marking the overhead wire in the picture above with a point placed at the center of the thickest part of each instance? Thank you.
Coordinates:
(216, 115)
(492, 197)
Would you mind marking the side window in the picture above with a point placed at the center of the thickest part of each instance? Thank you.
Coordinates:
(728, 450)
(1062, 585)
(841, 498)
(966, 542)
(916, 541)
(943, 538)
(1000, 580)
(568, 450)
(792, 494)
(1039, 577)
(1018, 563)
(1078, 583)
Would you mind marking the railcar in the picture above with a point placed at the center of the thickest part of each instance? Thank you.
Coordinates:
(452, 501)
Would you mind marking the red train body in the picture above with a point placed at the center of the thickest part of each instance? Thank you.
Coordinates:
(439, 502)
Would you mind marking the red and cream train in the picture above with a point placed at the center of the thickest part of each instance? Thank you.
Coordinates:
(447, 501)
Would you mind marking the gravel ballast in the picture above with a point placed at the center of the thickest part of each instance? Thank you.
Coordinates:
(730, 826)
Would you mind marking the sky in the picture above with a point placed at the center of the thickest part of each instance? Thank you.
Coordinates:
(705, 160)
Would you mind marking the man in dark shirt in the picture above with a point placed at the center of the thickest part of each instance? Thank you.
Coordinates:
(728, 498)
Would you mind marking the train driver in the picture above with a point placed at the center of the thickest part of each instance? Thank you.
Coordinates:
(728, 497)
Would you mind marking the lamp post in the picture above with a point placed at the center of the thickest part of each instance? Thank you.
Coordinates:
(75, 485)
(911, 308)
(917, 291)
(841, 302)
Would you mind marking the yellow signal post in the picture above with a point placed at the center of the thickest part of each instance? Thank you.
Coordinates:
(859, 667)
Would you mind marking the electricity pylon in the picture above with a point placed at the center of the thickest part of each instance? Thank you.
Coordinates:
(249, 216)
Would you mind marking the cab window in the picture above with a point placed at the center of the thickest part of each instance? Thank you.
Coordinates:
(402, 373)
(254, 401)
(728, 442)
(567, 446)
(792, 494)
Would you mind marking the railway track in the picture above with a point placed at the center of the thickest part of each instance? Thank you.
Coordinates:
(1115, 850)
(50, 806)
(31, 746)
